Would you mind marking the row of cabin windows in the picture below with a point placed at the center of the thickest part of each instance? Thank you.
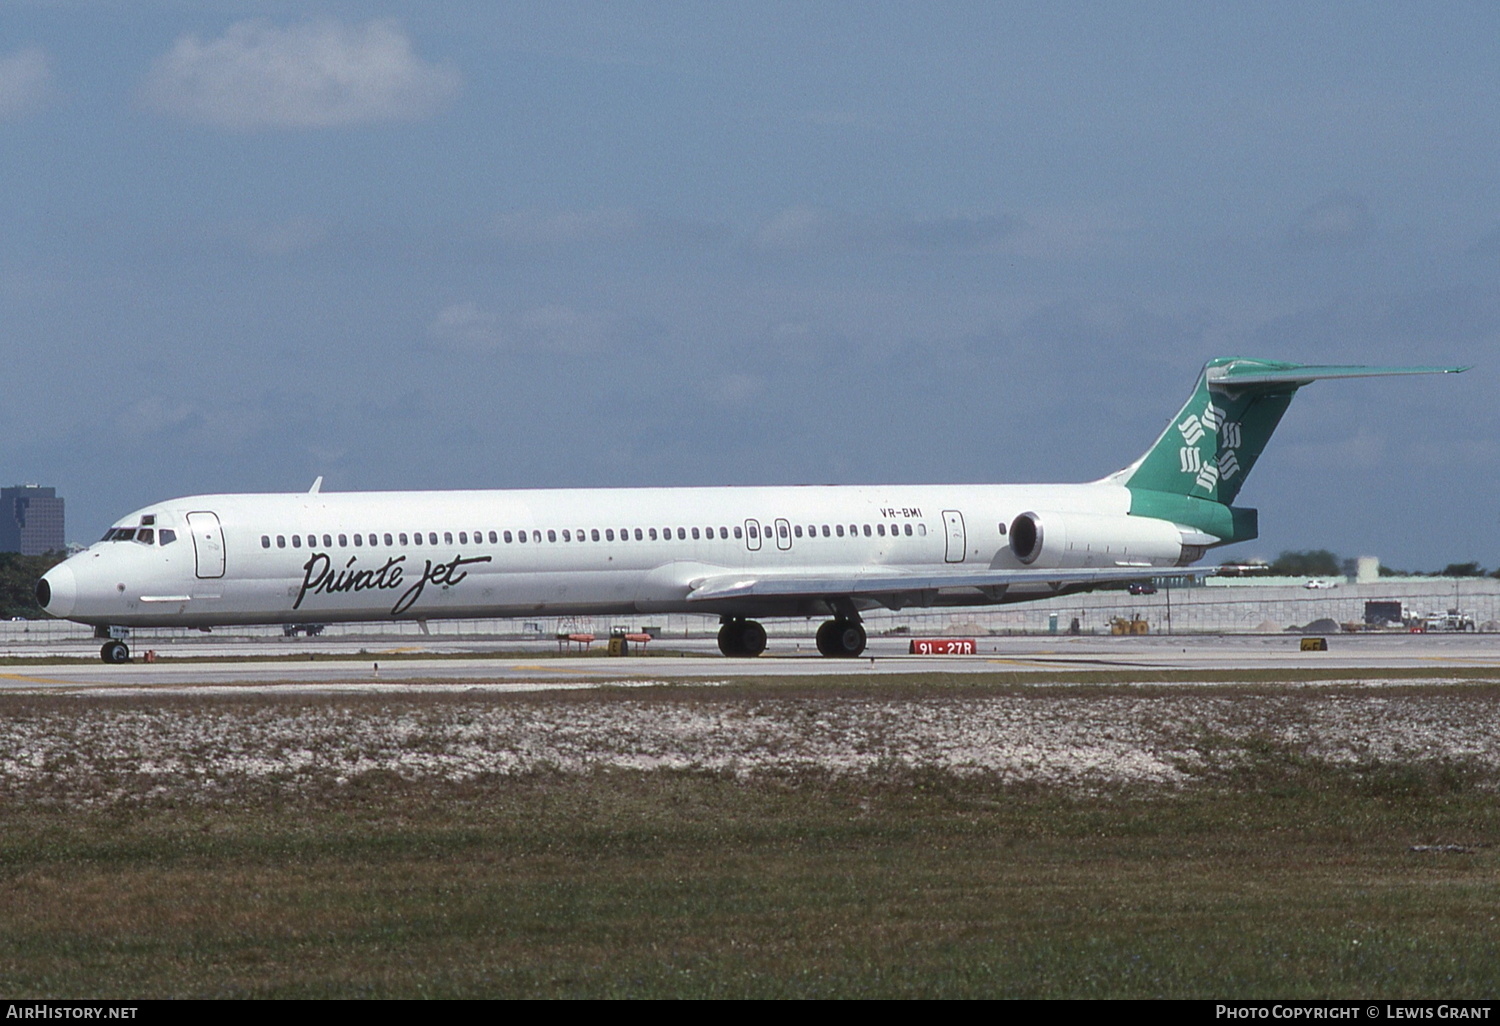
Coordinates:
(591, 534)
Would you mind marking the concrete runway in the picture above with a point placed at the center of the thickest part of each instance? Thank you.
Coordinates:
(537, 665)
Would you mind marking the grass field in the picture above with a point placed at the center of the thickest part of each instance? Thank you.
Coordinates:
(1178, 841)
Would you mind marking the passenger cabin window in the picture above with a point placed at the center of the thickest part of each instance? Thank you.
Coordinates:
(552, 536)
(447, 538)
(359, 540)
(432, 537)
(296, 541)
(494, 540)
(280, 541)
(265, 541)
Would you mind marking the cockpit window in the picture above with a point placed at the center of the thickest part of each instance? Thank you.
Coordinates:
(146, 536)
(167, 535)
(124, 534)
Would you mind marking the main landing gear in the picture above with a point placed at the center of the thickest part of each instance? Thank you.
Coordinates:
(738, 637)
(841, 638)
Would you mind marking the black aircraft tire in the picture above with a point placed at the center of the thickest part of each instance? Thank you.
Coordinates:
(841, 639)
(828, 641)
(752, 638)
(115, 652)
(731, 638)
(851, 638)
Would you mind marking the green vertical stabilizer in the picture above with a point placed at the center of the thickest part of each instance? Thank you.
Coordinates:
(1196, 468)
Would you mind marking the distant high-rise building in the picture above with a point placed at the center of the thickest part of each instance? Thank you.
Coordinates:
(31, 520)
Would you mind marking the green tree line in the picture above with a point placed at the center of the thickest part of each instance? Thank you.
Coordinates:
(1322, 563)
(18, 577)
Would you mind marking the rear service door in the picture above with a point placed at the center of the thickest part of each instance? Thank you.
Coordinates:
(953, 524)
(208, 543)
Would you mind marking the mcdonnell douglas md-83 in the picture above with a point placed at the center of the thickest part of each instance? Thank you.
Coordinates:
(742, 553)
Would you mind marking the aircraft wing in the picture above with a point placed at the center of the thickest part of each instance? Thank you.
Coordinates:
(872, 582)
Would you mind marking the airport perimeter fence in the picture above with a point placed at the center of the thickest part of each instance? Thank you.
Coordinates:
(1220, 607)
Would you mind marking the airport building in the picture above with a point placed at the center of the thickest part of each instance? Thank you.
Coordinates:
(31, 520)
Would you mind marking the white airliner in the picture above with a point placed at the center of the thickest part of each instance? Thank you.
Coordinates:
(742, 553)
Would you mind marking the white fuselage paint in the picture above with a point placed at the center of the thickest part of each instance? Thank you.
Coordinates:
(219, 571)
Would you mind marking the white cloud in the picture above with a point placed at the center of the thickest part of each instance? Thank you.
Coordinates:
(801, 229)
(466, 326)
(531, 227)
(735, 390)
(610, 225)
(153, 415)
(282, 238)
(25, 82)
(549, 329)
(312, 75)
(1339, 221)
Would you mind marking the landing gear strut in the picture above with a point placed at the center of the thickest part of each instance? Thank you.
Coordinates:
(738, 637)
(115, 650)
(841, 638)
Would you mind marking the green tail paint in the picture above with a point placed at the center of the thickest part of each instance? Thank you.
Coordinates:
(1195, 469)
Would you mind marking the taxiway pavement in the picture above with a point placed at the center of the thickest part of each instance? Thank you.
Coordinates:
(368, 665)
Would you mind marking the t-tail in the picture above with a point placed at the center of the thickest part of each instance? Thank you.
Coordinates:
(1193, 472)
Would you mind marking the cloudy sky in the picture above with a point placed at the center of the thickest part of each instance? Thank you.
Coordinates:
(471, 244)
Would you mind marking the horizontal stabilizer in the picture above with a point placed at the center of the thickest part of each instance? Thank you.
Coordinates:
(1210, 447)
(1239, 373)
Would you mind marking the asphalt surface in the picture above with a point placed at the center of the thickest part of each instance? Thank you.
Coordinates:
(393, 663)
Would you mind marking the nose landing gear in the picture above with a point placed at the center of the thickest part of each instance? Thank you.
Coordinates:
(115, 650)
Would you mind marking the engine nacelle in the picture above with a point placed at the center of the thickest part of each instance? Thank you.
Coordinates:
(1092, 539)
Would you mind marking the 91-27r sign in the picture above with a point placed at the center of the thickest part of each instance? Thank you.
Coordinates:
(943, 646)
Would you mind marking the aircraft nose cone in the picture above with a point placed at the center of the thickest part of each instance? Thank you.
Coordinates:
(57, 591)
